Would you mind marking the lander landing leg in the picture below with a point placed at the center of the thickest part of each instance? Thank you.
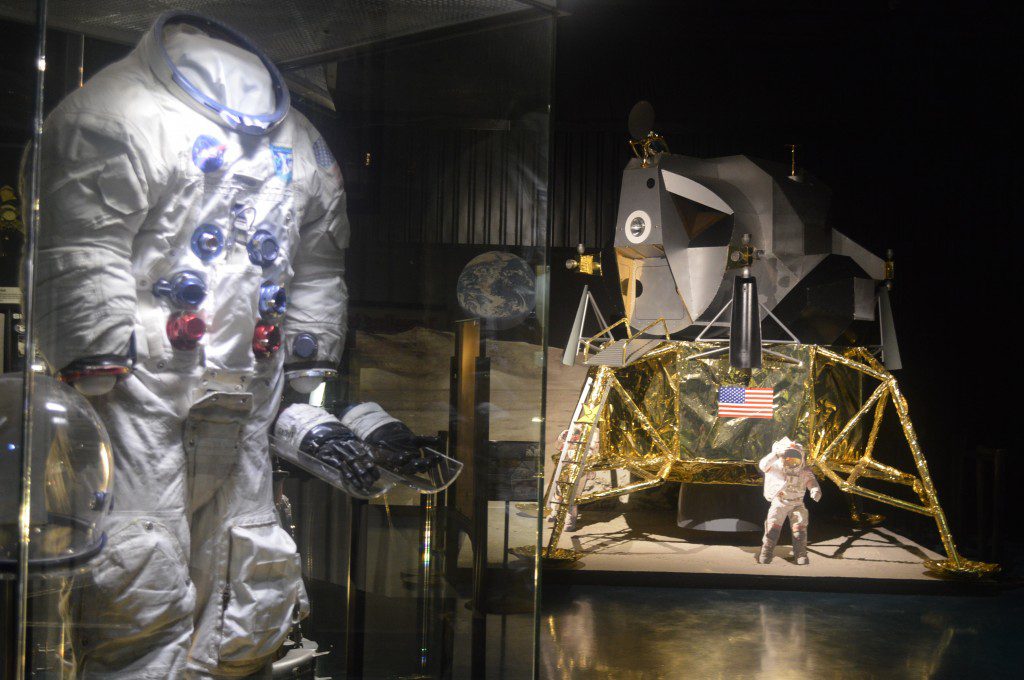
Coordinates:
(563, 492)
(573, 457)
(847, 476)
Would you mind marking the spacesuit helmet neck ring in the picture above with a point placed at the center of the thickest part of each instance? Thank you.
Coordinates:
(246, 123)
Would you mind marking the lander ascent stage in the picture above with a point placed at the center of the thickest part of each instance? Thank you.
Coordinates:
(694, 238)
(688, 226)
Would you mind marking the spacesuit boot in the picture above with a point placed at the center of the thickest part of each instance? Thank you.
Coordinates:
(211, 241)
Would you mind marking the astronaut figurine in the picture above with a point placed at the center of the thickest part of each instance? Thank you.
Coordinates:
(190, 261)
(786, 479)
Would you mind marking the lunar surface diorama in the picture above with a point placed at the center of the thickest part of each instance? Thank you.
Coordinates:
(747, 319)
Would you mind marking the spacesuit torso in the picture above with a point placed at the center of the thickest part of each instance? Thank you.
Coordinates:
(142, 182)
(794, 487)
(782, 483)
(214, 238)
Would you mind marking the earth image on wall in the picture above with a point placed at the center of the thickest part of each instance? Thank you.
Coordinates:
(499, 288)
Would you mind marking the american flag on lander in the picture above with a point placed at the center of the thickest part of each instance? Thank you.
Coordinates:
(746, 402)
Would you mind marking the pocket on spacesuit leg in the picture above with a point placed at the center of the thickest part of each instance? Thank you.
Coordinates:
(211, 440)
(136, 599)
(265, 594)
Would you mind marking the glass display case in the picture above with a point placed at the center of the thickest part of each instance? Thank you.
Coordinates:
(275, 343)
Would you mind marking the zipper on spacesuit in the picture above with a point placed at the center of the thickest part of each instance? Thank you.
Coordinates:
(225, 596)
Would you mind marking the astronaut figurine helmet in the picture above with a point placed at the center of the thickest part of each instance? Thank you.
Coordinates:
(793, 457)
(71, 476)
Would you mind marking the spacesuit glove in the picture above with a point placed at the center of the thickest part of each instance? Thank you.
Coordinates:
(353, 460)
(815, 495)
(400, 451)
(336, 445)
(395, 445)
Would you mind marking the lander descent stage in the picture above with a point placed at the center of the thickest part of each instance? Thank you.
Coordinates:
(694, 238)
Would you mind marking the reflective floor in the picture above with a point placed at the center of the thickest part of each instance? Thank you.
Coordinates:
(647, 633)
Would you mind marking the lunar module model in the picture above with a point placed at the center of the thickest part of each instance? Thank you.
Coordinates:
(735, 288)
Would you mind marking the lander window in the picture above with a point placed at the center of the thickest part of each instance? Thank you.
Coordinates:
(637, 226)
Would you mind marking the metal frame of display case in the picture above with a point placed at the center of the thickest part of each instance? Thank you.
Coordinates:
(329, 29)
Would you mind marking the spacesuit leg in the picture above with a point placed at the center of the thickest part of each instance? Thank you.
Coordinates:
(799, 519)
(772, 528)
(135, 604)
(245, 565)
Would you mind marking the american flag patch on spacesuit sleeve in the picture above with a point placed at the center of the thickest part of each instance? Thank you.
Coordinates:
(746, 402)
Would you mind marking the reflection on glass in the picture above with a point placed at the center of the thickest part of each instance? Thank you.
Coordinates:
(200, 196)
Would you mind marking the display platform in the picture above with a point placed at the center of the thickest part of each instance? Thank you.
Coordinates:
(647, 548)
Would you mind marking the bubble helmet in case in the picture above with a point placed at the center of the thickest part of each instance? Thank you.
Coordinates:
(72, 477)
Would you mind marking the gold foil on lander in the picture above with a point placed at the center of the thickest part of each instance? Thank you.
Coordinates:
(657, 419)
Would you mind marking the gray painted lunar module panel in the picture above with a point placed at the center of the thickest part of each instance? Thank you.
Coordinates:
(679, 242)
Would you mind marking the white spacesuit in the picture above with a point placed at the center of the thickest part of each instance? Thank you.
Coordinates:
(786, 480)
(192, 222)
